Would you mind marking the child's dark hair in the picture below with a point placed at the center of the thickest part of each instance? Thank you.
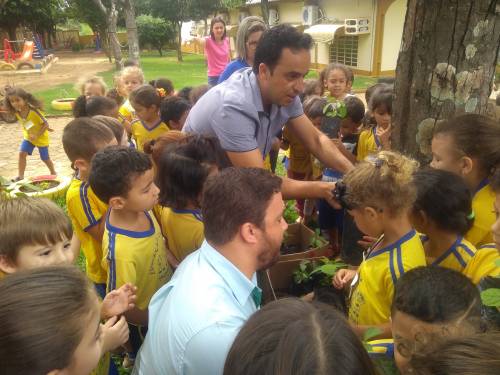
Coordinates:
(291, 336)
(184, 92)
(381, 97)
(93, 106)
(470, 355)
(145, 95)
(273, 42)
(217, 19)
(197, 92)
(313, 106)
(113, 170)
(495, 180)
(173, 108)
(23, 94)
(183, 168)
(112, 124)
(83, 136)
(445, 199)
(370, 90)
(437, 295)
(476, 136)
(355, 109)
(28, 221)
(114, 95)
(163, 83)
(43, 317)
(349, 75)
(155, 147)
(310, 87)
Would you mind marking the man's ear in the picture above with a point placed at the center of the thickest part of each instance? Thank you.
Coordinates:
(248, 233)
(264, 71)
(6, 265)
(117, 203)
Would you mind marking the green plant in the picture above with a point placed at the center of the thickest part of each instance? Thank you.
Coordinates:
(155, 32)
(290, 214)
(317, 240)
(7, 187)
(320, 271)
(491, 296)
(335, 108)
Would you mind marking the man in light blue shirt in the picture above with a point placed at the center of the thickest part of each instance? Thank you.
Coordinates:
(247, 111)
(194, 318)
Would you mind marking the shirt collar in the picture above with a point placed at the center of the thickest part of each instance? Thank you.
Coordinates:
(257, 97)
(239, 284)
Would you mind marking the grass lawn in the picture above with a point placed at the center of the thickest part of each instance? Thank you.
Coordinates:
(191, 72)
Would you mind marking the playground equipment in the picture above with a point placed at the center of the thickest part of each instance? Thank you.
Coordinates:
(24, 60)
(64, 104)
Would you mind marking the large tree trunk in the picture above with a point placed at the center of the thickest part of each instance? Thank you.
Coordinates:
(133, 38)
(111, 20)
(446, 66)
(179, 41)
(264, 8)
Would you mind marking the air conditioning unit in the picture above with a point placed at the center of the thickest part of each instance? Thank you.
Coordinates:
(310, 14)
(243, 14)
(274, 16)
(356, 26)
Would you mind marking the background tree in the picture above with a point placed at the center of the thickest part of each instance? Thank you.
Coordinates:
(155, 32)
(446, 65)
(132, 35)
(111, 14)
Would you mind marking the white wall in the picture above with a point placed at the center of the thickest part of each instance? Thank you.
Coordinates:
(393, 32)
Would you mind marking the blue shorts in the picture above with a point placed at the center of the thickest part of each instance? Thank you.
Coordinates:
(28, 147)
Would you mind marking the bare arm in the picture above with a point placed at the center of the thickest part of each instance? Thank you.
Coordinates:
(137, 316)
(97, 231)
(319, 144)
(385, 331)
(291, 189)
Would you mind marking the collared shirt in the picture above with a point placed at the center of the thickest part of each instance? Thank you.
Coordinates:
(233, 112)
(194, 318)
(482, 206)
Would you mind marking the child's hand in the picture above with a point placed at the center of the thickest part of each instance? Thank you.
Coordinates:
(118, 301)
(384, 136)
(32, 138)
(343, 277)
(115, 333)
(50, 130)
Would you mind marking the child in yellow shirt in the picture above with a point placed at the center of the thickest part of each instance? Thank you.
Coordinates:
(379, 194)
(81, 139)
(469, 146)
(127, 81)
(35, 127)
(378, 138)
(146, 102)
(133, 245)
(182, 172)
(443, 213)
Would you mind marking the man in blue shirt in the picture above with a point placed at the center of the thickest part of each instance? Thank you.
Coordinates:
(194, 318)
(248, 110)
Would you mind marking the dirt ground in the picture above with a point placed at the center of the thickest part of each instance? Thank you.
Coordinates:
(70, 67)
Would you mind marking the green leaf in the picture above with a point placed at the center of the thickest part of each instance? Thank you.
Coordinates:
(497, 262)
(4, 181)
(371, 332)
(491, 297)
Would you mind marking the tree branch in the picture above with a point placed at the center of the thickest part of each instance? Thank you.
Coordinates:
(101, 7)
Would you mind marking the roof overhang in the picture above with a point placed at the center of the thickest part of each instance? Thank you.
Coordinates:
(323, 33)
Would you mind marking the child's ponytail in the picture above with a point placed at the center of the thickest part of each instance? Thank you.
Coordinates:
(79, 107)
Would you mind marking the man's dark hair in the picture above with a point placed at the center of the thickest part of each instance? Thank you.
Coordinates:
(236, 196)
(113, 170)
(273, 42)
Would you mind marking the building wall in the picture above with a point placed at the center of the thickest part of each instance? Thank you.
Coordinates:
(393, 32)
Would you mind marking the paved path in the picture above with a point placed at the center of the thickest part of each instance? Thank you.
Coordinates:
(11, 136)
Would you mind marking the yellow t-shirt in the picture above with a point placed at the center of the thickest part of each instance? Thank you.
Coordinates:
(300, 158)
(484, 217)
(127, 111)
(142, 134)
(368, 144)
(85, 211)
(456, 257)
(484, 263)
(139, 258)
(183, 230)
(32, 125)
(371, 299)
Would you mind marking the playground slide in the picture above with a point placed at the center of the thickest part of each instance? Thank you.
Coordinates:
(27, 54)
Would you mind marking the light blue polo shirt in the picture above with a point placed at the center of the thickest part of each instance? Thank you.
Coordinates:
(194, 318)
(234, 113)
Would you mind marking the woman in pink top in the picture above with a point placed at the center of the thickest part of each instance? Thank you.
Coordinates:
(217, 50)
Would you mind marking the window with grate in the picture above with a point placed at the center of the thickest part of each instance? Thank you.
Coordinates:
(344, 50)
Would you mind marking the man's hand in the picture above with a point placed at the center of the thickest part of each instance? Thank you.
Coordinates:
(326, 189)
(119, 301)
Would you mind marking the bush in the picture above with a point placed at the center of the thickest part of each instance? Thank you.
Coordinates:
(154, 32)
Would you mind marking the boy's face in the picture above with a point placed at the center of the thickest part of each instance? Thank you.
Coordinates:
(495, 228)
(130, 82)
(143, 195)
(36, 256)
(348, 127)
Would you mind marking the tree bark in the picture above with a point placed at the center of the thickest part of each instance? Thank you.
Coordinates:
(179, 41)
(132, 36)
(111, 20)
(264, 8)
(446, 66)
